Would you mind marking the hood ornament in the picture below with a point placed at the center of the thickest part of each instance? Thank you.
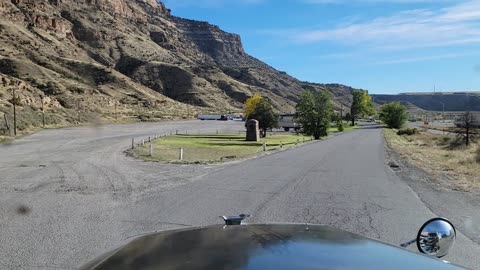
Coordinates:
(234, 220)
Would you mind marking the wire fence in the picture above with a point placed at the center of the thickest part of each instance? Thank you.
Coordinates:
(154, 151)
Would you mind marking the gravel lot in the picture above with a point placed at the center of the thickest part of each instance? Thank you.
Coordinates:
(64, 193)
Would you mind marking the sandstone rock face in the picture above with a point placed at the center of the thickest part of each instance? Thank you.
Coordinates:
(134, 51)
(222, 47)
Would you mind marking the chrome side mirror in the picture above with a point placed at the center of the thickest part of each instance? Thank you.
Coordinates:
(435, 237)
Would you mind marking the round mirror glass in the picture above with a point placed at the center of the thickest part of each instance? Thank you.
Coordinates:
(436, 237)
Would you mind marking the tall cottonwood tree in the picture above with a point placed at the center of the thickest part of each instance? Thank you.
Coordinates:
(315, 113)
(362, 105)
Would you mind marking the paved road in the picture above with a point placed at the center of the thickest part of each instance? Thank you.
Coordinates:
(86, 197)
(429, 129)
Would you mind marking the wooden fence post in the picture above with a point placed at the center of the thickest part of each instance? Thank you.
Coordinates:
(181, 154)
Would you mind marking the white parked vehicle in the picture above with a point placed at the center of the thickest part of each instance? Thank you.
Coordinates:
(210, 116)
(223, 117)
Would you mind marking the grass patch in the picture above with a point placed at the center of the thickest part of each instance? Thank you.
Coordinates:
(407, 131)
(346, 128)
(438, 154)
(212, 147)
(4, 139)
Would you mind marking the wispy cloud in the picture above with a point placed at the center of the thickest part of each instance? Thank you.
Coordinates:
(458, 24)
(425, 58)
(339, 55)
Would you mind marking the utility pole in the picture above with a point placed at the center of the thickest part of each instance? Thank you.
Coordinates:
(443, 111)
(43, 111)
(341, 111)
(78, 111)
(443, 117)
(116, 110)
(14, 99)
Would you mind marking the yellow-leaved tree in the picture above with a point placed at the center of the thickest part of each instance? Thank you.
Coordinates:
(260, 109)
(251, 104)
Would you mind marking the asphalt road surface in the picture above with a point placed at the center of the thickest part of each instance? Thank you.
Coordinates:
(67, 196)
(432, 125)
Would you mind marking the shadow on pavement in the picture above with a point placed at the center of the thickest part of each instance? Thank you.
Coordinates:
(371, 126)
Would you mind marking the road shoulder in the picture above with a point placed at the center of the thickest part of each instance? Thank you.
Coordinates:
(459, 206)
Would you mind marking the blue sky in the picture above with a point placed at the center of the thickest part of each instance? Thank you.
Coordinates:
(383, 46)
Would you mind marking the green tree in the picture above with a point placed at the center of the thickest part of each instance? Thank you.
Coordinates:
(264, 114)
(339, 122)
(362, 105)
(315, 113)
(393, 114)
(347, 117)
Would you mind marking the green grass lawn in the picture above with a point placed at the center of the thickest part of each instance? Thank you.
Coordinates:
(213, 147)
(346, 128)
(208, 148)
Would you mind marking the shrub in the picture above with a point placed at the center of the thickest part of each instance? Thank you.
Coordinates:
(408, 131)
(340, 126)
(456, 143)
(477, 156)
(445, 140)
(393, 114)
(144, 118)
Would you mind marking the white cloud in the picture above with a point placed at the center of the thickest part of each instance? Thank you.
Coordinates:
(425, 58)
(455, 25)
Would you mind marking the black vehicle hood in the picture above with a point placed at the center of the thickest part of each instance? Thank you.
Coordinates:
(262, 246)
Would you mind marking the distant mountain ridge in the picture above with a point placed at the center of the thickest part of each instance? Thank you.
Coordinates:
(450, 101)
(103, 58)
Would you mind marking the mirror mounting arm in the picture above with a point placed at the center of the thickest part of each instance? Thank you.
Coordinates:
(404, 245)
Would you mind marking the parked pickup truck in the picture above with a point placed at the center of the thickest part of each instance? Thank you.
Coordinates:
(287, 122)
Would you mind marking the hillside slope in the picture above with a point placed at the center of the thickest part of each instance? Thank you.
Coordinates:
(105, 59)
(455, 101)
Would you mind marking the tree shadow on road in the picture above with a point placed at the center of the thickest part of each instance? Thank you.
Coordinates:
(371, 126)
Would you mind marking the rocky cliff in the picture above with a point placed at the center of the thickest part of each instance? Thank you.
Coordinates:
(105, 59)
